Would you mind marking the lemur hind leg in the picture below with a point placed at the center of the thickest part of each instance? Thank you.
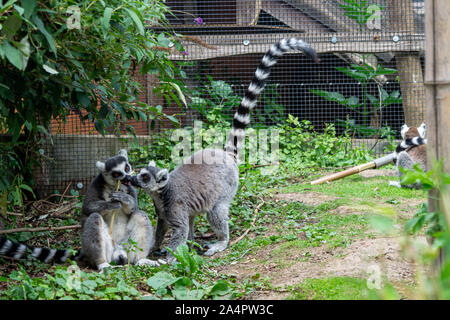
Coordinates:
(161, 230)
(139, 230)
(178, 220)
(404, 161)
(99, 249)
(218, 219)
(191, 234)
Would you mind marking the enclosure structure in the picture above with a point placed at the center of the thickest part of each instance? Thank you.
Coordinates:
(369, 81)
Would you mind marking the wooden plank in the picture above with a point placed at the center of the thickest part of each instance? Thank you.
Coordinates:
(231, 45)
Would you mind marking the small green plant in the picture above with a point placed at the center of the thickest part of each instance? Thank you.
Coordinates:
(184, 283)
(358, 10)
(433, 223)
(131, 247)
(68, 283)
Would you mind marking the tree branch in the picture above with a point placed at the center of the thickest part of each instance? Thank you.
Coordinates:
(75, 226)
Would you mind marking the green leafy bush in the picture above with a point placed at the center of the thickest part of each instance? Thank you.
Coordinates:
(302, 147)
(77, 56)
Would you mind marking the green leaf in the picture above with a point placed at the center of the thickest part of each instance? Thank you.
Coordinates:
(183, 293)
(7, 5)
(220, 288)
(136, 20)
(106, 18)
(11, 26)
(100, 127)
(162, 40)
(173, 119)
(29, 6)
(161, 280)
(25, 49)
(180, 93)
(48, 36)
(353, 101)
(13, 55)
(49, 69)
(19, 10)
(221, 88)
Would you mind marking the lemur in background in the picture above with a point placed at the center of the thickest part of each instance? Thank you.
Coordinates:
(208, 180)
(410, 151)
(102, 244)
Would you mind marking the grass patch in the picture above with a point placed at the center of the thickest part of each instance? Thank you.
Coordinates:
(364, 188)
(334, 288)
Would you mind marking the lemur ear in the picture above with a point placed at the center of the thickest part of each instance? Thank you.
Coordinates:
(152, 164)
(404, 129)
(100, 166)
(123, 153)
(422, 129)
(162, 176)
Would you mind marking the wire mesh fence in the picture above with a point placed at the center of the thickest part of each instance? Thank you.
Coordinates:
(369, 80)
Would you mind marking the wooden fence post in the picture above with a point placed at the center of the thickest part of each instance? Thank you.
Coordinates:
(437, 83)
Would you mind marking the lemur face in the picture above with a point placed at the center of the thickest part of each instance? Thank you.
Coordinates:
(412, 132)
(116, 169)
(151, 178)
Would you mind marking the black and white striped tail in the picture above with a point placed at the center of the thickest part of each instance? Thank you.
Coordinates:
(407, 144)
(242, 116)
(17, 250)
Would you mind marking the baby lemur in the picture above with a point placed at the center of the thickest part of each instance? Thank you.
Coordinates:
(103, 205)
(208, 180)
(410, 151)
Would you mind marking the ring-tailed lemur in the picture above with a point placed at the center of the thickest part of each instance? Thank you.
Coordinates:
(110, 218)
(208, 180)
(410, 151)
(101, 243)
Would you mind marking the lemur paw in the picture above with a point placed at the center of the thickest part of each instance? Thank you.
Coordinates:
(216, 247)
(102, 266)
(148, 262)
(115, 205)
(395, 184)
(120, 196)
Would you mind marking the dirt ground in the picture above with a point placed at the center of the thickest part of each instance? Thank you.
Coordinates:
(356, 260)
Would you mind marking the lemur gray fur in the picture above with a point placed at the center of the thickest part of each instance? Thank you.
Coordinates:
(101, 203)
(102, 200)
(208, 180)
(410, 151)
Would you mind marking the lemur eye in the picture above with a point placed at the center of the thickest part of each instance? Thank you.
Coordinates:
(145, 178)
(127, 168)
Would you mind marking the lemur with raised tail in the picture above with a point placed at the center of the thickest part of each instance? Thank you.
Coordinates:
(109, 200)
(208, 180)
(410, 151)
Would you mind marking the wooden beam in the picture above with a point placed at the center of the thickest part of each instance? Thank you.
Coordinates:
(401, 17)
(231, 45)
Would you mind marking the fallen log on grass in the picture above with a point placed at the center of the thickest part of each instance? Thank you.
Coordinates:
(377, 163)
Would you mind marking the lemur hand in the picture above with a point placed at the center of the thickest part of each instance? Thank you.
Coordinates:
(127, 201)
